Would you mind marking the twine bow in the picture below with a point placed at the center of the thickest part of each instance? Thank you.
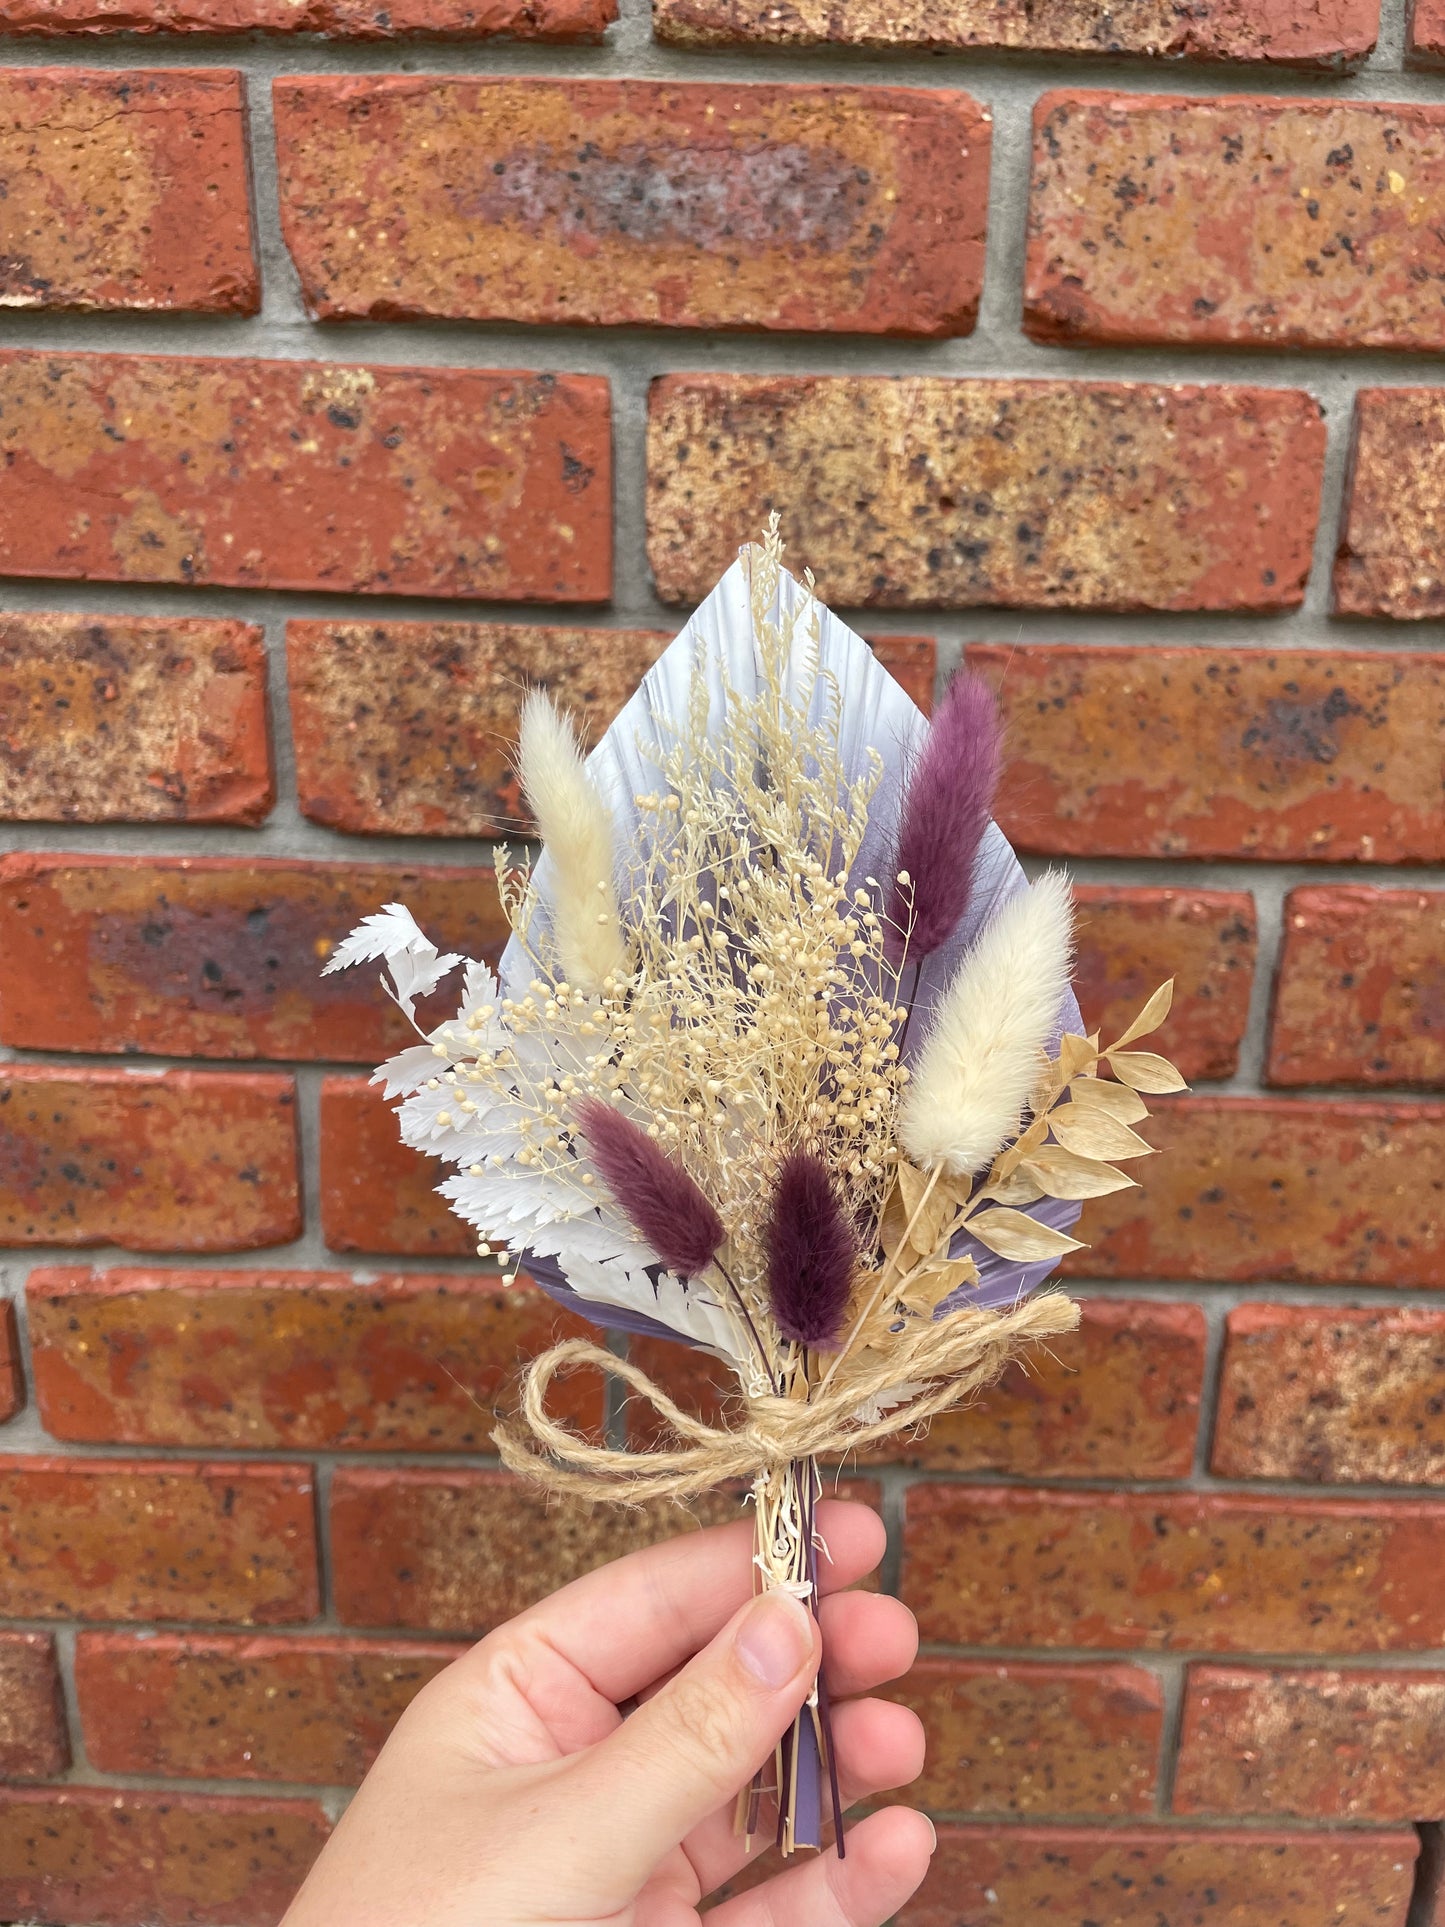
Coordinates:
(947, 1361)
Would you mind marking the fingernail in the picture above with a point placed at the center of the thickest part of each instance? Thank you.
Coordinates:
(932, 1835)
(774, 1637)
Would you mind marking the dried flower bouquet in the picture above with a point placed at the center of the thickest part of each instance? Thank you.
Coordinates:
(783, 1062)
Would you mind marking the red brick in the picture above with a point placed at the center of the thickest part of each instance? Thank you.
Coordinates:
(1427, 39)
(1338, 1397)
(459, 1551)
(1337, 33)
(311, 1710)
(306, 475)
(310, 1360)
(912, 662)
(1312, 1745)
(1275, 223)
(112, 1857)
(938, 492)
(377, 1194)
(1360, 995)
(219, 956)
(553, 20)
(156, 1539)
(1391, 555)
(410, 728)
(1131, 941)
(33, 1740)
(1147, 1876)
(132, 719)
(1216, 1572)
(1032, 1738)
(152, 1160)
(1283, 1188)
(607, 202)
(1331, 758)
(12, 1368)
(1118, 1399)
(126, 190)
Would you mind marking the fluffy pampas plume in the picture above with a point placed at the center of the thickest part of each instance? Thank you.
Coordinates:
(811, 1254)
(577, 830)
(660, 1200)
(982, 1057)
(946, 807)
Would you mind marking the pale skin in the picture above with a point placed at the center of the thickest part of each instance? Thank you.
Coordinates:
(514, 1793)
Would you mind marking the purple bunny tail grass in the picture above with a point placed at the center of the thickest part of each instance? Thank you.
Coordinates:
(946, 806)
(812, 1253)
(659, 1199)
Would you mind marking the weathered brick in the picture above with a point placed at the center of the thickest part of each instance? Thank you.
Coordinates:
(1391, 555)
(132, 719)
(1337, 1397)
(1131, 941)
(1117, 1399)
(607, 202)
(1216, 1572)
(113, 1857)
(1280, 223)
(1035, 1737)
(310, 1360)
(1312, 1745)
(1145, 1876)
(34, 1744)
(156, 1539)
(1360, 994)
(1330, 758)
(338, 19)
(1339, 32)
(1284, 1188)
(938, 492)
(410, 728)
(311, 1710)
(219, 956)
(377, 1194)
(912, 662)
(126, 190)
(1426, 46)
(153, 1160)
(459, 1551)
(306, 475)
(12, 1368)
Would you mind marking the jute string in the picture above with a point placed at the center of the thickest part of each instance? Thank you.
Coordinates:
(952, 1359)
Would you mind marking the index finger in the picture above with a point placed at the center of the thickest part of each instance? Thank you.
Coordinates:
(626, 1624)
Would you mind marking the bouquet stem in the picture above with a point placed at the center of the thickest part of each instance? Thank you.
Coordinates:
(786, 1557)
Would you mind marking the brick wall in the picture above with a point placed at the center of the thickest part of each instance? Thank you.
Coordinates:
(360, 366)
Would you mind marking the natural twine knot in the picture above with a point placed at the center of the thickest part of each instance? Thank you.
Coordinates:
(942, 1363)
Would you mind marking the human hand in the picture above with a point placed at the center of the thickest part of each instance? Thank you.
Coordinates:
(513, 1793)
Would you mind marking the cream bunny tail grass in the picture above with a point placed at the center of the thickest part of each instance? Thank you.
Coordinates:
(575, 825)
(984, 1053)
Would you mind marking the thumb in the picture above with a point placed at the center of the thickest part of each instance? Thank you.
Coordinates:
(688, 1750)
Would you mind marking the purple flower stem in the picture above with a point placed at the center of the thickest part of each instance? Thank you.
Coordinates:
(741, 1304)
(825, 1716)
